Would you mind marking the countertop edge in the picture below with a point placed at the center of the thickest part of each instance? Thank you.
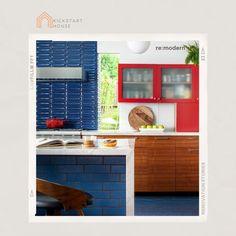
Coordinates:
(133, 133)
(115, 133)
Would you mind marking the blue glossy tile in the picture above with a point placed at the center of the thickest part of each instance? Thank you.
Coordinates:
(89, 160)
(114, 186)
(58, 44)
(59, 61)
(93, 211)
(167, 205)
(58, 51)
(100, 194)
(123, 177)
(75, 53)
(72, 111)
(58, 64)
(111, 211)
(93, 177)
(97, 169)
(69, 168)
(66, 160)
(107, 202)
(90, 186)
(73, 64)
(114, 160)
(43, 65)
(43, 160)
(44, 59)
(118, 169)
(117, 194)
(60, 179)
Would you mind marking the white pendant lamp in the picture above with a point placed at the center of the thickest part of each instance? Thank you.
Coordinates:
(138, 46)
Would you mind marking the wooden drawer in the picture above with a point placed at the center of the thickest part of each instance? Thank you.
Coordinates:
(155, 169)
(114, 137)
(187, 142)
(187, 168)
(153, 142)
(165, 163)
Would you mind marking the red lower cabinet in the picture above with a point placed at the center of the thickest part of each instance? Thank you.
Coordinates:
(187, 117)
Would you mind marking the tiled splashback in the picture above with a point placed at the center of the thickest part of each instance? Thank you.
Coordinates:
(72, 100)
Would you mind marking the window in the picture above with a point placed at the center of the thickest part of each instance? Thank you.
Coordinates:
(108, 82)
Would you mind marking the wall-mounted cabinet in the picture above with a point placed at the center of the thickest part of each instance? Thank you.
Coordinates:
(178, 84)
(157, 83)
(136, 83)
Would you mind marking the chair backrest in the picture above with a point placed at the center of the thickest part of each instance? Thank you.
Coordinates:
(70, 198)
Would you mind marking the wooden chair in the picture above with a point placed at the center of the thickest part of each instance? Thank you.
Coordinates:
(55, 197)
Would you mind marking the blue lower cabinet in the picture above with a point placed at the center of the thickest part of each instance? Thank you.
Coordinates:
(103, 179)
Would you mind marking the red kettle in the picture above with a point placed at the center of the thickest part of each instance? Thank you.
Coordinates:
(55, 123)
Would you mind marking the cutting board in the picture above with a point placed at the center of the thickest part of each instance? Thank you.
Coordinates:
(140, 115)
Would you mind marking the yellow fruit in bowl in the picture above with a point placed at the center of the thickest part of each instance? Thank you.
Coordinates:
(143, 126)
(155, 126)
(149, 126)
(161, 126)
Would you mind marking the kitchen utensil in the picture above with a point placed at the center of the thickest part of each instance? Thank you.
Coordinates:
(55, 123)
(140, 115)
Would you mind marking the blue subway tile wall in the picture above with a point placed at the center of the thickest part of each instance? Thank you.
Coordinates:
(101, 176)
(72, 100)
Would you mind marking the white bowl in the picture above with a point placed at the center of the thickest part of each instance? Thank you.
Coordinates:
(151, 130)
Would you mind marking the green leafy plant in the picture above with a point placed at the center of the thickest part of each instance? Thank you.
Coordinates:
(193, 53)
(109, 117)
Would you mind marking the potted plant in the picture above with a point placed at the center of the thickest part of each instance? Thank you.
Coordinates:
(193, 53)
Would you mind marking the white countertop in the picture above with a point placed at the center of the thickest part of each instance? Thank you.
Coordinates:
(124, 147)
(59, 132)
(137, 133)
(113, 132)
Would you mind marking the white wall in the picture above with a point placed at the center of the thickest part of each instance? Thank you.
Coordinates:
(151, 56)
(164, 113)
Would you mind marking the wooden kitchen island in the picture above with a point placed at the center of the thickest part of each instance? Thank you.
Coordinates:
(164, 162)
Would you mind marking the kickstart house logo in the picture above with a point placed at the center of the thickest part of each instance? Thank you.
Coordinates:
(44, 17)
(46, 20)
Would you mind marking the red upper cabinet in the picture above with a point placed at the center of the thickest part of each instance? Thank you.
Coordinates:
(177, 83)
(157, 83)
(187, 119)
(137, 83)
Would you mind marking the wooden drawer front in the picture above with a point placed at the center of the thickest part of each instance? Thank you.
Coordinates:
(114, 137)
(141, 183)
(187, 142)
(153, 160)
(147, 183)
(187, 169)
(153, 142)
(155, 169)
(141, 162)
